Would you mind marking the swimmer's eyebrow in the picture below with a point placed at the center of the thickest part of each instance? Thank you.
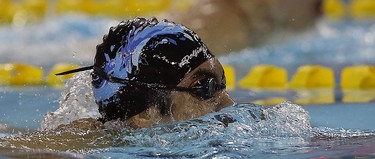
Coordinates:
(204, 73)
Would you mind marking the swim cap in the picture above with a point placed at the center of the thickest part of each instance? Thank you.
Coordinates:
(142, 51)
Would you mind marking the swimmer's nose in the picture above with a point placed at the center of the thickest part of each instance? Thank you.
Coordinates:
(225, 101)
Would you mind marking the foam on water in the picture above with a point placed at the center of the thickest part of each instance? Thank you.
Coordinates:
(240, 131)
(342, 133)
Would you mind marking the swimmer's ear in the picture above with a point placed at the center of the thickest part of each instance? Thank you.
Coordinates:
(75, 70)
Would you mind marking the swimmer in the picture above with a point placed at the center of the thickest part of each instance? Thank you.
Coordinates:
(148, 72)
(145, 73)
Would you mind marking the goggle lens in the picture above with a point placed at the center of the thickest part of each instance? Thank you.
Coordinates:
(207, 88)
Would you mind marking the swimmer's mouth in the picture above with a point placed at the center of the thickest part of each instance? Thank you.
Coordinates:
(75, 70)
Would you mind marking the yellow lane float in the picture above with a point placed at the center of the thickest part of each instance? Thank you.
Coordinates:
(362, 9)
(34, 9)
(119, 8)
(358, 77)
(20, 74)
(7, 11)
(334, 9)
(74, 6)
(57, 81)
(230, 76)
(313, 76)
(265, 76)
(20, 12)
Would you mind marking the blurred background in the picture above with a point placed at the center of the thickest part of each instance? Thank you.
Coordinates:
(32, 30)
(334, 34)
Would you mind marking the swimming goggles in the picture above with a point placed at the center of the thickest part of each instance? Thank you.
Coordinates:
(204, 88)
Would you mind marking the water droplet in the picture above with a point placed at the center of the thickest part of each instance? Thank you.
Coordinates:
(74, 54)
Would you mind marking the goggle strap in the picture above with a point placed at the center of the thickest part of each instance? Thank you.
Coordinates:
(75, 70)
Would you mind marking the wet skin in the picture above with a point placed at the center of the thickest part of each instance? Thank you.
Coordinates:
(187, 105)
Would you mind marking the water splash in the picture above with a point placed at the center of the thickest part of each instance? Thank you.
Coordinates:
(76, 102)
(238, 131)
(326, 132)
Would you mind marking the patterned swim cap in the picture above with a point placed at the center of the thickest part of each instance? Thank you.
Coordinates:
(142, 51)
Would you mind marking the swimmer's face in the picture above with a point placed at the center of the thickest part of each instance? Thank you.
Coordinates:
(189, 105)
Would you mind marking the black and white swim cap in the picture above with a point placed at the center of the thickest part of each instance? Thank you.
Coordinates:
(142, 51)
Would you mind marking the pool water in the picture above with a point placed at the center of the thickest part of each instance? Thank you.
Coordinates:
(285, 130)
(241, 131)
